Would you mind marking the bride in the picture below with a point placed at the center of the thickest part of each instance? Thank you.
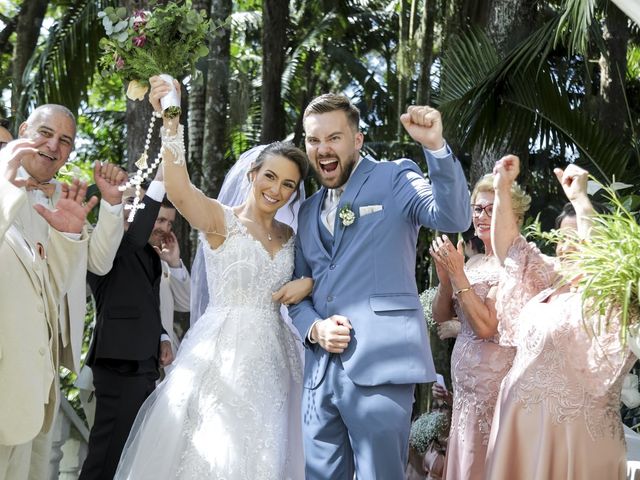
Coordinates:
(230, 407)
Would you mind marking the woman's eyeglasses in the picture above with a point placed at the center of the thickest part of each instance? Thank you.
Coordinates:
(478, 209)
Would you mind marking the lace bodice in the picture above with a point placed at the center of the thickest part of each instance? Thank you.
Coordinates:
(241, 271)
(565, 360)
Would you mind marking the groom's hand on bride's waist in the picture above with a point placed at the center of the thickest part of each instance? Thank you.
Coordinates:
(333, 333)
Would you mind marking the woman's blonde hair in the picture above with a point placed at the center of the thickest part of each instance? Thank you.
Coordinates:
(520, 201)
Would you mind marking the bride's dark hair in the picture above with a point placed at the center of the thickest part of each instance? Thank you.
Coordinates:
(289, 151)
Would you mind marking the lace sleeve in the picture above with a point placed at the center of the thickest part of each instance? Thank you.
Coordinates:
(594, 346)
(526, 273)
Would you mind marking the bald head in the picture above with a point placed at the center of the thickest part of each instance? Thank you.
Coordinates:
(53, 127)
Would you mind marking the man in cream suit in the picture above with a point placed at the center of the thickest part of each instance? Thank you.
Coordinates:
(40, 250)
(363, 325)
(103, 243)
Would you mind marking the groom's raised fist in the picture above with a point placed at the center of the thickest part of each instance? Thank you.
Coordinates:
(424, 124)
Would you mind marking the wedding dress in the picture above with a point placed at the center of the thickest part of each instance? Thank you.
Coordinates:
(230, 407)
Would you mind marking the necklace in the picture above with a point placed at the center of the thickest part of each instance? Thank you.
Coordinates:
(266, 232)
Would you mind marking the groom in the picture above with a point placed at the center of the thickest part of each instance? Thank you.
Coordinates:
(363, 325)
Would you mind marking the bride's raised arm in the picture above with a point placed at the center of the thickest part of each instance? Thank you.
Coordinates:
(202, 212)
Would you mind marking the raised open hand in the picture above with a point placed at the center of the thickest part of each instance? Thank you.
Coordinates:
(169, 250)
(424, 124)
(11, 158)
(70, 212)
(109, 177)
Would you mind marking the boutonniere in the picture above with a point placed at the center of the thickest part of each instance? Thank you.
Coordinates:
(346, 215)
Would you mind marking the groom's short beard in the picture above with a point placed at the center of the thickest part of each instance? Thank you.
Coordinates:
(346, 173)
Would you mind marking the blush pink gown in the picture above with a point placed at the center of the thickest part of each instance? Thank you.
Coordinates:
(558, 412)
(477, 368)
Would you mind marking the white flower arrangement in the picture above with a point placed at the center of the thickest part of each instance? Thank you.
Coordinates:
(427, 429)
(426, 300)
(346, 215)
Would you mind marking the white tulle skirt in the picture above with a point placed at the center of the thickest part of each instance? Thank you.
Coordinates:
(230, 407)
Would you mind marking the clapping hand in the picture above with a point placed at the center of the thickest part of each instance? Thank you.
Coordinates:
(70, 212)
(449, 259)
(169, 250)
(424, 124)
(109, 177)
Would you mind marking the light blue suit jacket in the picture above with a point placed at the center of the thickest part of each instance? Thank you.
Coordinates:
(369, 274)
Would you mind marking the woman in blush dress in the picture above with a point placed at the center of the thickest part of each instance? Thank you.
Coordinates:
(478, 362)
(558, 411)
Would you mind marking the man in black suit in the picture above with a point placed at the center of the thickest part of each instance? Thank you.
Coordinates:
(129, 343)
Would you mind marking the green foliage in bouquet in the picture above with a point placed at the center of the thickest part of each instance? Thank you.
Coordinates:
(427, 429)
(169, 39)
(607, 263)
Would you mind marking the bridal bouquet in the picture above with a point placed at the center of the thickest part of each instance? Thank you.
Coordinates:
(166, 41)
(169, 40)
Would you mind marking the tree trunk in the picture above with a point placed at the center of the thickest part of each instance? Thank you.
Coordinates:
(613, 67)
(197, 98)
(28, 30)
(217, 101)
(275, 20)
(402, 64)
(423, 96)
(509, 22)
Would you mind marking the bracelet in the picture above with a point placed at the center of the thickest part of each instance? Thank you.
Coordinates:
(174, 144)
(462, 290)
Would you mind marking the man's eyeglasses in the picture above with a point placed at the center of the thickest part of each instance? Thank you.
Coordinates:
(478, 209)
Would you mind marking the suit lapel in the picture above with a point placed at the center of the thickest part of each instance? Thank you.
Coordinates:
(357, 180)
(316, 210)
(23, 251)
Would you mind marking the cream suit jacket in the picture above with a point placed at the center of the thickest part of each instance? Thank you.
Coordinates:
(103, 244)
(31, 289)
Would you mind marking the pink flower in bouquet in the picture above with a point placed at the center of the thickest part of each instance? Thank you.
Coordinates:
(119, 62)
(139, 19)
(139, 40)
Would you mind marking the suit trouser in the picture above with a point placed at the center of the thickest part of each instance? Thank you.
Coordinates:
(14, 461)
(350, 428)
(119, 397)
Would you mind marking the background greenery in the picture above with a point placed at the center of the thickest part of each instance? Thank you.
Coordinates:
(553, 81)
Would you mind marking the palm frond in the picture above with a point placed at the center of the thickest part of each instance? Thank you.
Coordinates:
(64, 67)
(518, 101)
